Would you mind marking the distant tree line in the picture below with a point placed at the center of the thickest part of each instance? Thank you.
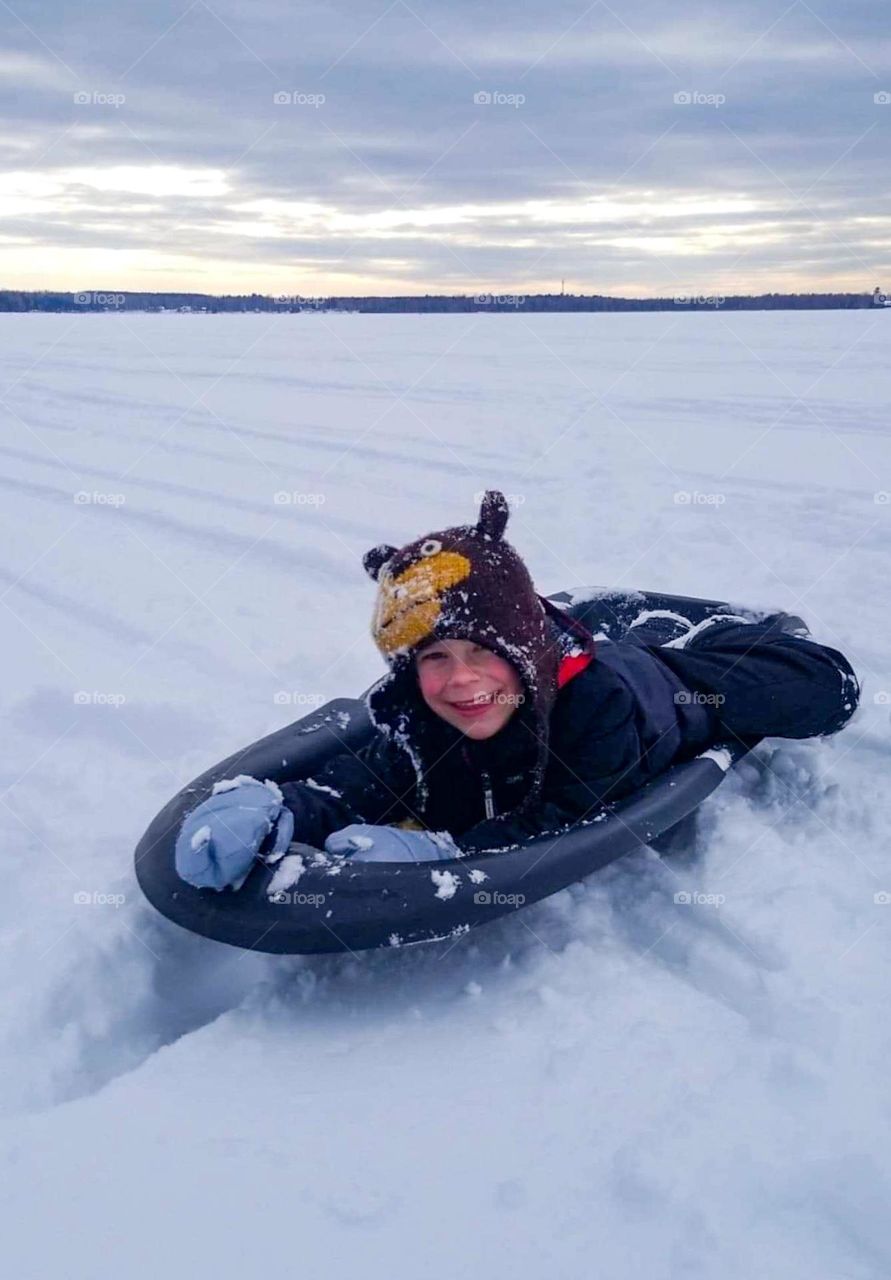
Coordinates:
(109, 300)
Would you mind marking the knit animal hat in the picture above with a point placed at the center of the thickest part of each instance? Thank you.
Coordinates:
(467, 583)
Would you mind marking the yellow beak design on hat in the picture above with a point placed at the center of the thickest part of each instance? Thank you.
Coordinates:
(409, 604)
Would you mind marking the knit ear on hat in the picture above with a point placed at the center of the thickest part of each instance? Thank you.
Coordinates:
(375, 559)
(493, 514)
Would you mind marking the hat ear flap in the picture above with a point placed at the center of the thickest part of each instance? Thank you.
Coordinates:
(493, 515)
(375, 559)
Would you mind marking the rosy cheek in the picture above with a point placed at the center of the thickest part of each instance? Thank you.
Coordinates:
(430, 683)
(505, 675)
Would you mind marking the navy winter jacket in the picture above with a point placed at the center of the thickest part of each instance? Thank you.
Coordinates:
(636, 709)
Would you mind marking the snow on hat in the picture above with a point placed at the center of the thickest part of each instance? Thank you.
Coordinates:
(467, 583)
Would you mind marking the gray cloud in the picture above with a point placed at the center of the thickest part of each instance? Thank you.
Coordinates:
(798, 141)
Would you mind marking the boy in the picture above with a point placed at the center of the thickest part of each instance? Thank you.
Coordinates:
(501, 719)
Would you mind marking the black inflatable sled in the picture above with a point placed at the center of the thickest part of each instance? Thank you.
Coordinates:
(335, 905)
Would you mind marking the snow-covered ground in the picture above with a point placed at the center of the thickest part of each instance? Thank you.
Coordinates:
(610, 1083)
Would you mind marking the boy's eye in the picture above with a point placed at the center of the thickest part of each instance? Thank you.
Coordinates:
(438, 653)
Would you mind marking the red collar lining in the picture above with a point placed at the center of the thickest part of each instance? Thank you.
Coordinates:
(570, 666)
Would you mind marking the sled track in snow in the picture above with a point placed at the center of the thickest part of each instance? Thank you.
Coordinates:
(215, 538)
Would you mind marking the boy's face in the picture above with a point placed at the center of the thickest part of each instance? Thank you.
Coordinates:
(468, 685)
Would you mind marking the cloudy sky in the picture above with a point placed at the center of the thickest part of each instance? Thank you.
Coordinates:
(368, 146)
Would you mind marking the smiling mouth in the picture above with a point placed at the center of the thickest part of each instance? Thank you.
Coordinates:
(481, 700)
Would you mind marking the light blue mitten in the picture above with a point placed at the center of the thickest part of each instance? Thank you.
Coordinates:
(365, 843)
(219, 840)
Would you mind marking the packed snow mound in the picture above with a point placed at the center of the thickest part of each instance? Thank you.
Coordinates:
(676, 1068)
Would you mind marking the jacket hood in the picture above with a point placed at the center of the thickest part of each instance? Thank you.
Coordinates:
(465, 583)
(398, 710)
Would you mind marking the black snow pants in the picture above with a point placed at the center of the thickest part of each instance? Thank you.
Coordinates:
(764, 681)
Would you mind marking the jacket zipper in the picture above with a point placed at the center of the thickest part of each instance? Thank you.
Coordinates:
(487, 795)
